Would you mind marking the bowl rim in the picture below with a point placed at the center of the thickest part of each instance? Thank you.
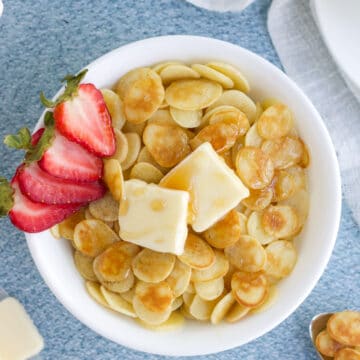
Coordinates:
(306, 290)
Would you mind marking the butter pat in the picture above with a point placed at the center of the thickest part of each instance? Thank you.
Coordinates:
(154, 217)
(19, 338)
(213, 187)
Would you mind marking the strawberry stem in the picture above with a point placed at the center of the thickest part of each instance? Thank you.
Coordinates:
(72, 84)
(22, 140)
(6, 197)
(36, 152)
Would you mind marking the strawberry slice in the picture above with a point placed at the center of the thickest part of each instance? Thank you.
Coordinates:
(34, 217)
(68, 160)
(84, 118)
(42, 187)
(35, 137)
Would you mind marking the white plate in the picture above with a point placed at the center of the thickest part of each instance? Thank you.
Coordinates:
(339, 24)
(53, 257)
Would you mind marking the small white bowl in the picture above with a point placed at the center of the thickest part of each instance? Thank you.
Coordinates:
(222, 6)
(54, 260)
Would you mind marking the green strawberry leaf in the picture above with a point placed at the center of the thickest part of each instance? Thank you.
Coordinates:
(36, 152)
(21, 140)
(72, 84)
(49, 119)
(46, 102)
(6, 197)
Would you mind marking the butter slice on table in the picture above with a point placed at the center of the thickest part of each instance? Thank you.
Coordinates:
(154, 217)
(214, 188)
(19, 338)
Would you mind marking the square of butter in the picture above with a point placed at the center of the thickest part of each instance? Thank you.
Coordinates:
(19, 338)
(154, 217)
(214, 188)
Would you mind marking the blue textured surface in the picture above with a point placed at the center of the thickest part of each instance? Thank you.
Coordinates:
(42, 40)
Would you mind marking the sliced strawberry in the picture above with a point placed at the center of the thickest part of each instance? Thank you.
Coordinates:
(33, 217)
(68, 160)
(42, 187)
(35, 137)
(85, 119)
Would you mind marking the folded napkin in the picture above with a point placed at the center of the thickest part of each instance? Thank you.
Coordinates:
(307, 61)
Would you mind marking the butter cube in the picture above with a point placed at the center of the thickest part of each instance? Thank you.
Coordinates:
(19, 338)
(213, 187)
(154, 217)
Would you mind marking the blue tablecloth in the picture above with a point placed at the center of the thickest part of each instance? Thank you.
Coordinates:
(42, 40)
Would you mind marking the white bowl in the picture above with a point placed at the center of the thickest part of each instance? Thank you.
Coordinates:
(54, 261)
